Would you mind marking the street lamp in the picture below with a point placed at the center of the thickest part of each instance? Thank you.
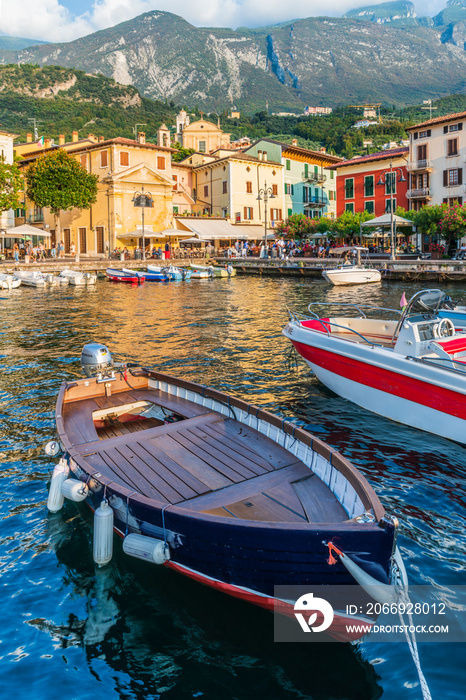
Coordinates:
(143, 199)
(265, 193)
(395, 174)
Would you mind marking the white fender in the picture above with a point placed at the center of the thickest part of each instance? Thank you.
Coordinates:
(381, 592)
(102, 551)
(55, 498)
(146, 548)
(75, 490)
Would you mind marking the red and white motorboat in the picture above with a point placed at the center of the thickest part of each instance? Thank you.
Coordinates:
(412, 370)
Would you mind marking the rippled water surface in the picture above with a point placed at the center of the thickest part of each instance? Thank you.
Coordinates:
(130, 630)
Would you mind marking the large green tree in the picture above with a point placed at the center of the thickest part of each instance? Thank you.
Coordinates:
(11, 184)
(56, 181)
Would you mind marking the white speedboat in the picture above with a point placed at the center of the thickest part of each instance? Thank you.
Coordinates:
(8, 281)
(412, 370)
(35, 278)
(351, 272)
(78, 278)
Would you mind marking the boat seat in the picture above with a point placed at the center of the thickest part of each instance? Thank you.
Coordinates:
(453, 350)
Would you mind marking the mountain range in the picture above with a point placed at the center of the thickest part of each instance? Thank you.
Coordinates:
(382, 53)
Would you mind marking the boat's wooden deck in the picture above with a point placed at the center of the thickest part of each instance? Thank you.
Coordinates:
(207, 462)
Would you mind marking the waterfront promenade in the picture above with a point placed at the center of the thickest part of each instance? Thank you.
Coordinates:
(408, 270)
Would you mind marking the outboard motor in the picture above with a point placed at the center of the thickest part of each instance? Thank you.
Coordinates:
(95, 359)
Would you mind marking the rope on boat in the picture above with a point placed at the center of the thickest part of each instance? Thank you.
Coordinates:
(402, 597)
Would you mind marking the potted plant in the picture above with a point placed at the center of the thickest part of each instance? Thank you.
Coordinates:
(436, 251)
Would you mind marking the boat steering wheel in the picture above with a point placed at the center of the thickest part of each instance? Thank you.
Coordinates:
(445, 328)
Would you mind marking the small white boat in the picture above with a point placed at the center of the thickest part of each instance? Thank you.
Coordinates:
(8, 281)
(412, 370)
(216, 271)
(35, 278)
(78, 278)
(351, 272)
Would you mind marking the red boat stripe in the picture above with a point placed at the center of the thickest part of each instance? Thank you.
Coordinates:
(337, 629)
(452, 346)
(438, 398)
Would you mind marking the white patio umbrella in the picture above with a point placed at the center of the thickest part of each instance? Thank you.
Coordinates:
(25, 230)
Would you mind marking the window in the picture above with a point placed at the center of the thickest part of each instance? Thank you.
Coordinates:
(422, 152)
(425, 134)
(452, 127)
(349, 188)
(124, 158)
(160, 162)
(103, 159)
(288, 165)
(248, 213)
(289, 189)
(275, 190)
(249, 187)
(349, 206)
(332, 174)
(452, 201)
(453, 177)
(306, 195)
(275, 214)
(206, 190)
(175, 183)
(390, 183)
(225, 186)
(290, 212)
(369, 186)
(175, 210)
(452, 147)
(202, 146)
(306, 170)
(369, 206)
(84, 160)
(390, 205)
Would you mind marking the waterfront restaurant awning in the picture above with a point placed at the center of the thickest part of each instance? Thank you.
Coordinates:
(221, 230)
(138, 234)
(25, 230)
(386, 220)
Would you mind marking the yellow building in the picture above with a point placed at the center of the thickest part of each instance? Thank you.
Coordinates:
(229, 187)
(204, 137)
(124, 167)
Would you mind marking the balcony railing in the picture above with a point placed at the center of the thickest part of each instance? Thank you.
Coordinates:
(423, 193)
(35, 218)
(422, 164)
(315, 203)
(313, 177)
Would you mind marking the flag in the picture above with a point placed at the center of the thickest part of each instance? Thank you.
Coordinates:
(403, 301)
(40, 141)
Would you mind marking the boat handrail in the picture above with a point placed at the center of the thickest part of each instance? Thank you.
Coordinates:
(435, 363)
(358, 307)
(325, 324)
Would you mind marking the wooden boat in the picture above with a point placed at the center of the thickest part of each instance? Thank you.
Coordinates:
(128, 276)
(412, 370)
(351, 273)
(216, 488)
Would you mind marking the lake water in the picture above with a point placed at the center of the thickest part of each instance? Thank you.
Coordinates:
(130, 630)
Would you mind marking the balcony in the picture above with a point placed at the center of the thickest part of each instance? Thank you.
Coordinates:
(314, 178)
(423, 164)
(315, 203)
(36, 219)
(423, 193)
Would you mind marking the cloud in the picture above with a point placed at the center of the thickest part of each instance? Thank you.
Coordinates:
(53, 21)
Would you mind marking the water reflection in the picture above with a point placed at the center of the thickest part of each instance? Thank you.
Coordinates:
(146, 632)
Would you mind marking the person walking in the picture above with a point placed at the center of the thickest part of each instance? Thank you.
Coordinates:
(16, 252)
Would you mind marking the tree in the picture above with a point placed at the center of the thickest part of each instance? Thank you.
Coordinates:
(10, 185)
(348, 224)
(297, 226)
(56, 181)
(180, 152)
(452, 226)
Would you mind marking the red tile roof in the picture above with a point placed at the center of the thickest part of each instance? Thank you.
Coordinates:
(438, 120)
(381, 155)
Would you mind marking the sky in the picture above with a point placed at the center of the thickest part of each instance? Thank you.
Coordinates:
(65, 20)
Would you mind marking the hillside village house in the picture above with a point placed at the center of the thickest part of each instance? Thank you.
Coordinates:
(309, 186)
(376, 183)
(6, 151)
(437, 150)
(123, 166)
(229, 187)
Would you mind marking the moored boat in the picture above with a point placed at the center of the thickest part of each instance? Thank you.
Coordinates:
(351, 272)
(78, 278)
(215, 270)
(153, 274)
(127, 276)
(8, 281)
(35, 278)
(411, 369)
(176, 273)
(217, 489)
